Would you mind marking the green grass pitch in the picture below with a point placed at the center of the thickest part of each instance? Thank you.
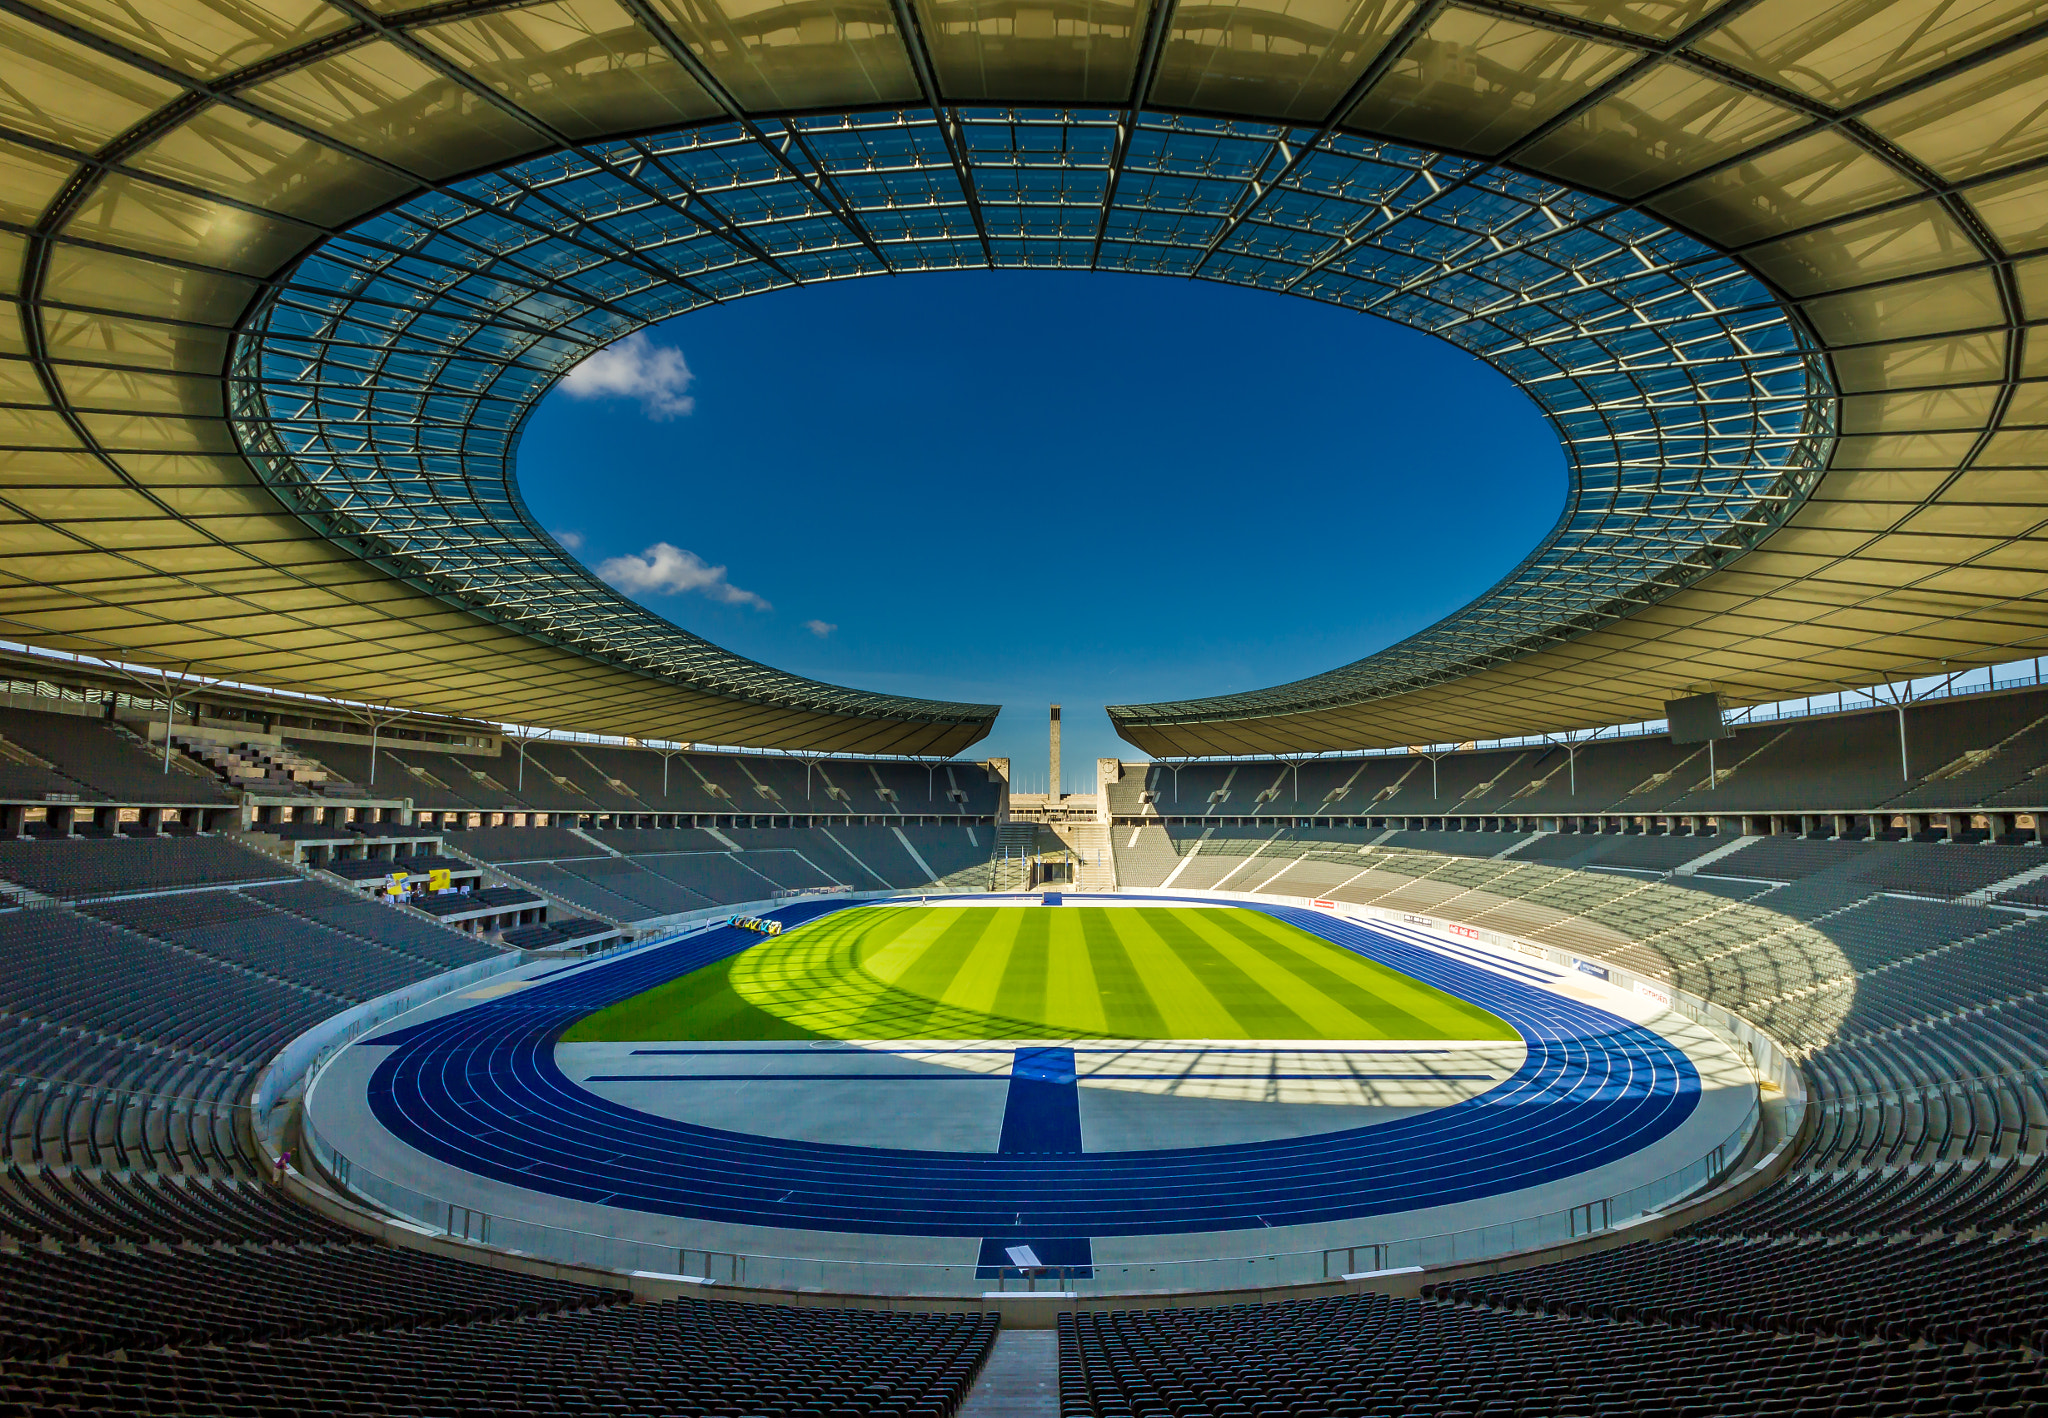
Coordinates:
(1025, 972)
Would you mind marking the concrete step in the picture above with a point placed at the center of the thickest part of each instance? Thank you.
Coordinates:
(1021, 1378)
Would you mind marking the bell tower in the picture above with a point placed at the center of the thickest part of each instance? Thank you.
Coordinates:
(1052, 792)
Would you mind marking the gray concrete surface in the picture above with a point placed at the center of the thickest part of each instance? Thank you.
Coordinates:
(1021, 1378)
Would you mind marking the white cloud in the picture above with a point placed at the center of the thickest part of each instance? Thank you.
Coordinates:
(666, 570)
(571, 540)
(820, 628)
(636, 368)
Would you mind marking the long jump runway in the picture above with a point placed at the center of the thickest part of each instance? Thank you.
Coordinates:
(480, 1091)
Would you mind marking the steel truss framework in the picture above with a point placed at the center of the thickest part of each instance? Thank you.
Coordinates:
(383, 386)
(1876, 167)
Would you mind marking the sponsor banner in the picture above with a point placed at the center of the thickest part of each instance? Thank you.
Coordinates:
(1325, 905)
(1590, 967)
(1652, 993)
(1414, 920)
(1465, 931)
(1534, 952)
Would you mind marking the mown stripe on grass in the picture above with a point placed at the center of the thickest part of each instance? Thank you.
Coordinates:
(1073, 999)
(1244, 981)
(1178, 993)
(1307, 990)
(1026, 973)
(1120, 989)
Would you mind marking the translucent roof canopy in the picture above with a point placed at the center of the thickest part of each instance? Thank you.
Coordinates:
(1766, 265)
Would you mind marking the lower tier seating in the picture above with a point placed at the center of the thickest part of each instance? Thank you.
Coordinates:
(1356, 1356)
(682, 1357)
(1984, 1289)
(85, 867)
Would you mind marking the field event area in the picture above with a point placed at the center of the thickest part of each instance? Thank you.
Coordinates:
(994, 972)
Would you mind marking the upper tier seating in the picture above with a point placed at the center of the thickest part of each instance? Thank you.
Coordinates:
(597, 779)
(78, 870)
(1970, 751)
(105, 763)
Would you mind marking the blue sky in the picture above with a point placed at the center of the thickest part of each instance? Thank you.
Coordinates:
(1028, 487)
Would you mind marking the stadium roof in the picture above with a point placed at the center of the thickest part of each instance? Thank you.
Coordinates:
(287, 276)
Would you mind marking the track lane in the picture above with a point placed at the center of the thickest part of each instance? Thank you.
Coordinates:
(480, 1090)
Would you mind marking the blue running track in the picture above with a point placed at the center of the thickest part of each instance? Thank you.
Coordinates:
(479, 1090)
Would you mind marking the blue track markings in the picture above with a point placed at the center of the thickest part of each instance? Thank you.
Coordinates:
(480, 1090)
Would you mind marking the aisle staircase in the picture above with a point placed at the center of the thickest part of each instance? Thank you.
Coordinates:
(256, 765)
(1095, 863)
(1009, 867)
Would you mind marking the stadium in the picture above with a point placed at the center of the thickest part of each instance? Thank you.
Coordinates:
(1627, 995)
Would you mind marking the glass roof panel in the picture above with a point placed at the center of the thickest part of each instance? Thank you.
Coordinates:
(1666, 123)
(379, 100)
(1081, 51)
(1481, 81)
(1659, 19)
(582, 66)
(1980, 121)
(380, 387)
(206, 39)
(1292, 58)
(61, 91)
(1846, 51)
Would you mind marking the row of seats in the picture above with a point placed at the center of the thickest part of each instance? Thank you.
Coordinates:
(597, 778)
(1983, 1289)
(492, 898)
(148, 1265)
(672, 871)
(682, 1357)
(69, 969)
(140, 1208)
(1963, 752)
(98, 761)
(1922, 869)
(377, 922)
(1365, 1356)
(75, 1302)
(75, 1097)
(571, 930)
(1932, 1199)
(83, 868)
